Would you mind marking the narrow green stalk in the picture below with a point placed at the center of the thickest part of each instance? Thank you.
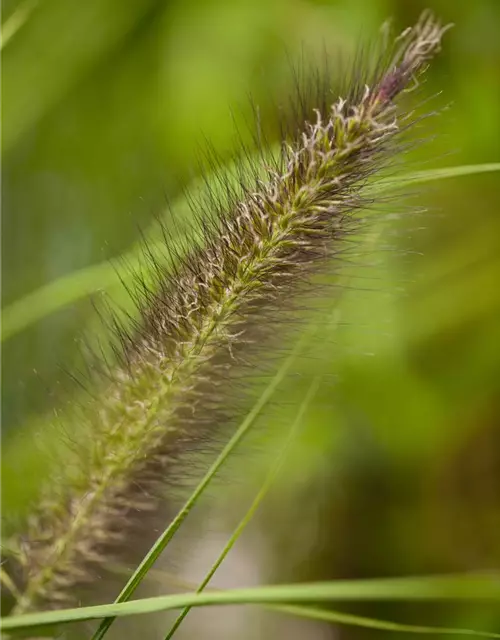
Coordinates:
(157, 549)
(466, 589)
(268, 482)
(327, 615)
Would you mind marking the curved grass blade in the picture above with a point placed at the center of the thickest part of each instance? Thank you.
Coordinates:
(478, 588)
(54, 296)
(430, 175)
(339, 617)
(77, 285)
(15, 21)
(70, 288)
(268, 482)
(330, 615)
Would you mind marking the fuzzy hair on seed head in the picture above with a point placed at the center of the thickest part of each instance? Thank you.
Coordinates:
(284, 220)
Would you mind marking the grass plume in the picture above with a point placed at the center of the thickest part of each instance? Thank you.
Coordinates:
(288, 216)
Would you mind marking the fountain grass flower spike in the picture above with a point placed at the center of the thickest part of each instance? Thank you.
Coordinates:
(286, 219)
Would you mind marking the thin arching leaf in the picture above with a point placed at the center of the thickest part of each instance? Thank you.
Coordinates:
(268, 482)
(77, 285)
(468, 588)
(339, 617)
(161, 543)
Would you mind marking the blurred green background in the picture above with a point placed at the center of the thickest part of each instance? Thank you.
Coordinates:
(106, 107)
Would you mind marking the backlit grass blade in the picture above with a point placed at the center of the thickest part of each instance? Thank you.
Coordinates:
(338, 617)
(431, 175)
(77, 285)
(270, 478)
(170, 531)
(16, 20)
(469, 588)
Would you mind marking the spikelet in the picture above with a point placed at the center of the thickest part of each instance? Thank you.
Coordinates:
(259, 250)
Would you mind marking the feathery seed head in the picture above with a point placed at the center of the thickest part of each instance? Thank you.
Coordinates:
(277, 229)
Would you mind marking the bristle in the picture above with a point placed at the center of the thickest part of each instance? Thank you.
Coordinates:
(281, 218)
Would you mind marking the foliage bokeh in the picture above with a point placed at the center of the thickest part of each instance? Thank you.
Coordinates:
(106, 107)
